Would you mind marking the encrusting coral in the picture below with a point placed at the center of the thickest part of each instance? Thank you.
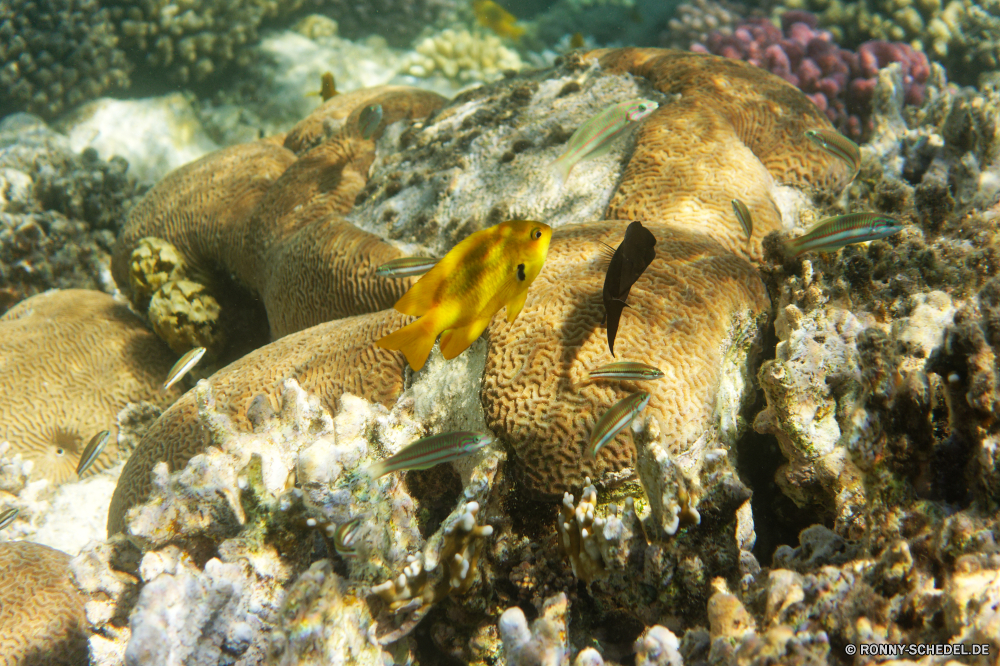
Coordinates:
(69, 362)
(41, 612)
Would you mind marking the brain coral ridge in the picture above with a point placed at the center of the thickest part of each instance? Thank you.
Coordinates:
(695, 312)
(42, 618)
(69, 362)
(260, 216)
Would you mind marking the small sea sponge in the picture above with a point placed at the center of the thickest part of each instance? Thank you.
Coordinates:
(353, 365)
(42, 620)
(69, 362)
(185, 315)
(153, 263)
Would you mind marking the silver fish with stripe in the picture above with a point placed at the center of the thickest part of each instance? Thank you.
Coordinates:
(834, 233)
(369, 120)
(594, 137)
(343, 539)
(94, 448)
(626, 370)
(406, 267)
(839, 146)
(746, 220)
(7, 517)
(183, 366)
(430, 451)
(615, 420)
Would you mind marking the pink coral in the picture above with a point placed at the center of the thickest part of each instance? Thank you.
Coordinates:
(840, 82)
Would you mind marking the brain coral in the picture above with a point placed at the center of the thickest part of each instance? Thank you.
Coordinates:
(695, 312)
(42, 620)
(327, 360)
(273, 229)
(69, 362)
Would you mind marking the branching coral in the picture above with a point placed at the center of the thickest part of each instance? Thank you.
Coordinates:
(590, 542)
(463, 56)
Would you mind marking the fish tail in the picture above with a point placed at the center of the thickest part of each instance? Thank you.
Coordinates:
(792, 249)
(415, 340)
(560, 170)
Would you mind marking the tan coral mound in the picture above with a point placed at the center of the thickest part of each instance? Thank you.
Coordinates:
(327, 360)
(269, 221)
(682, 309)
(398, 102)
(42, 620)
(750, 127)
(69, 362)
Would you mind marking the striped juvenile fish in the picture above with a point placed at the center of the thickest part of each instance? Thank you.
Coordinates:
(616, 419)
(594, 137)
(7, 517)
(94, 449)
(369, 120)
(624, 370)
(406, 267)
(429, 451)
(343, 540)
(183, 366)
(834, 233)
(743, 215)
(839, 146)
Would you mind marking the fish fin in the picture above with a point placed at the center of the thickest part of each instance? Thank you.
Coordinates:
(376, 470)
(457, 340)
(614, 309)
(560, 170)
(415, 340)
(515, 305)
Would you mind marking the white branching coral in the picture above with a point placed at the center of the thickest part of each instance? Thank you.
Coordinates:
(588, 541)
(447, 565)
(673, 495)
(463, 56)
(544, 643)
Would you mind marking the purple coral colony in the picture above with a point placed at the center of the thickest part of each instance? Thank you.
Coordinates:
(717, 292)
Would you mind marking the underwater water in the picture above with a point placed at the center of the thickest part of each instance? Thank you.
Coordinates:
(499, 332)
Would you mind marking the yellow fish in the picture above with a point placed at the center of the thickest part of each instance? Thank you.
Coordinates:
(459, 296)
(328, 87)
(496, 18)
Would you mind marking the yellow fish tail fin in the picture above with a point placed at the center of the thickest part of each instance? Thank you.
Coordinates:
(457, 340)
(515, 306)
(415, 340)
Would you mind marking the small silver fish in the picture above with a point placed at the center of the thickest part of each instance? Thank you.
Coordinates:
(406, 267)
(183, 366)
(94, 448)
(743, 215)
(343, 540)
(624, 370)
(429, 451)
(7, 517)
(834, 233)
(594, 137)
(369, 120)
(839, 146)
(616, 419)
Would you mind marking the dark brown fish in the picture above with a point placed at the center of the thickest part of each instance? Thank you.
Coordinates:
(628, 262)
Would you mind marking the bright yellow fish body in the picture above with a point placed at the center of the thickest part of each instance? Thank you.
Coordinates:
(459, 296)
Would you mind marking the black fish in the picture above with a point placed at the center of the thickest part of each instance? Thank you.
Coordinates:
(628, 262)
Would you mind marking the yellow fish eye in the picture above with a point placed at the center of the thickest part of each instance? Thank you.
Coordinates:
(536, 233)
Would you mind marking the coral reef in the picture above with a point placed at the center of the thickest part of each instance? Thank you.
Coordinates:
(462, 55)
(55, 54)
(695, 21)
(840, 82)
(58, 211)
(71, 360)
(41, 612)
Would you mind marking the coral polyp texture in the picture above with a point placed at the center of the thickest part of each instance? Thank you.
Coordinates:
(69, 362)
(42, 619)
(840, 82)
